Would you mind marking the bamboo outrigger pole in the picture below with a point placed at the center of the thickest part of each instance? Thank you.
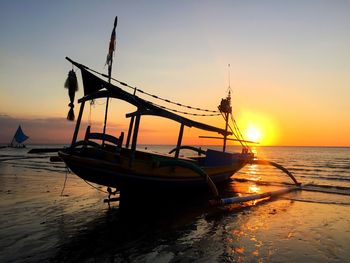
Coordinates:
(228, 139)
(109, 62)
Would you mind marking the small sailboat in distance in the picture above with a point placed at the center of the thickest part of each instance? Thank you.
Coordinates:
(18, 139)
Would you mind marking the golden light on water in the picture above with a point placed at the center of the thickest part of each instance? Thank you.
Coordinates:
(254, 189)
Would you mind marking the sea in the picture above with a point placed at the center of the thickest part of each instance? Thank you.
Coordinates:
(50, 215)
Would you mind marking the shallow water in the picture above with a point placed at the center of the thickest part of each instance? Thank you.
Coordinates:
(42, 223)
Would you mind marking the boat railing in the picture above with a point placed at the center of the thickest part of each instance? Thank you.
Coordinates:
(104, 137)
(187, 147)
(91, 138)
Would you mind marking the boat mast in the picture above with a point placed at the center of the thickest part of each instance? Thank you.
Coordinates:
(226, 109)
(109, 61)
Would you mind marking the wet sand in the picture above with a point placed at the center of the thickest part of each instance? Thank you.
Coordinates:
(38, 224)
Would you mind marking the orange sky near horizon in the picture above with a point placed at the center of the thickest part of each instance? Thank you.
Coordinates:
(289, 67)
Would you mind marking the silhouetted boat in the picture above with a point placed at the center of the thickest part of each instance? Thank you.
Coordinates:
(106, 160)
(18, 139)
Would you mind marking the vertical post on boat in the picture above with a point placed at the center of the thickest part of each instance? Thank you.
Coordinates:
(179, 140)
(226, 109)
(225, 135)
(131, 125)
(134, 136)
(109, 62)
(75, 135)
(105, 121)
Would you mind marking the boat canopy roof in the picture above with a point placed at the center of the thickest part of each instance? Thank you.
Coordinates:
(95, 87)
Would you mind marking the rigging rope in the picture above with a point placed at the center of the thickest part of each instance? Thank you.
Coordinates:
(178, 104)
(233, 133)
(65, 180)
(98, 189)
(159, 98)
(183, 112)
(237, 133)
(64, 185)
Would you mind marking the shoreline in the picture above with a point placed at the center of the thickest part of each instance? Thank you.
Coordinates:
(39, 224)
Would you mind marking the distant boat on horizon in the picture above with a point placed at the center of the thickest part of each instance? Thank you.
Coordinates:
(18, 139)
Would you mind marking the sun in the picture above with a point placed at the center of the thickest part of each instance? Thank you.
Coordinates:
(259, 127)
(253, 134)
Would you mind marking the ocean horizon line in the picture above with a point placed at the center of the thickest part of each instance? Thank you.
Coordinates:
(198, 145)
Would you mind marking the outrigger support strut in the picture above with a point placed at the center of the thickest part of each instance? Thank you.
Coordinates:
(239, 199)
(131, 125)
(177, 151)
(134, 137)
(278, 166)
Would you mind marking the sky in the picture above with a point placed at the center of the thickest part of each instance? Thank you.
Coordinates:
(289, 66)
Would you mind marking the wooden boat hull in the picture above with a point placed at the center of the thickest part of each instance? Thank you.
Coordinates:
(144, 172)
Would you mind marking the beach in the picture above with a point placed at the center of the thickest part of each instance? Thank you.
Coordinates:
(51, 215)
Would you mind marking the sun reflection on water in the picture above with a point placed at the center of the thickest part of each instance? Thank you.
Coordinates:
(254, 150)
(252, 169)
(253, 173)
(254, 189)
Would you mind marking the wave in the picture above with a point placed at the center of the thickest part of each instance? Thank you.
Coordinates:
(346, 188)
(4, 158)
(329, 178)
(322, 188)
(316, 201)
(39, 166)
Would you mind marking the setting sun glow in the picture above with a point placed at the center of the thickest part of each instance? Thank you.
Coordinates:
(253, 134)
(259, 127)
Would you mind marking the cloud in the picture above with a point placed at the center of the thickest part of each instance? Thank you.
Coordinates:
(45, 130)
(39, 130)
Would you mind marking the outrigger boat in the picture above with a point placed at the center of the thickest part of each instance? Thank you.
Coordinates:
(111, 161)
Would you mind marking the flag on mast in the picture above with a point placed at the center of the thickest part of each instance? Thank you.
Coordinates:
(112, 44)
